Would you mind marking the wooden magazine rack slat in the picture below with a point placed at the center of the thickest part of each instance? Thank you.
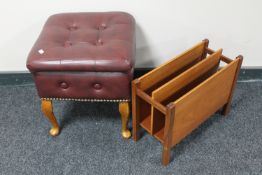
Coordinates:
(174, 99)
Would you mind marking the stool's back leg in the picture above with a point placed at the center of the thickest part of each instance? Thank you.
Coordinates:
(47, 109)
(124, 112)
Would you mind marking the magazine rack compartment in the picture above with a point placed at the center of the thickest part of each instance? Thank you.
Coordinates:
(167, 71)
(178, 101)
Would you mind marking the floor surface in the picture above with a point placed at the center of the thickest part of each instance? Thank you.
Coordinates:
(90, 141)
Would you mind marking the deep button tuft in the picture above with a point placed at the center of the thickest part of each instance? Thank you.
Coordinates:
(99, 42)
(103, 26)
(64, 85)
(97, 86)
(68, 44)
(73, 27)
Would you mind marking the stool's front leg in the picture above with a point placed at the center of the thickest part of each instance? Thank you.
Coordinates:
(47, 109)
(124, 112)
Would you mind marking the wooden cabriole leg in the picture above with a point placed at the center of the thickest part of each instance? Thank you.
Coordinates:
(47, 109)
(124, 112)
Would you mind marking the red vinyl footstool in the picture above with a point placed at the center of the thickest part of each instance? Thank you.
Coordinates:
(85, 57)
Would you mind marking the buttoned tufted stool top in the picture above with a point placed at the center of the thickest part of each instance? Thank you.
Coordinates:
(85, 57)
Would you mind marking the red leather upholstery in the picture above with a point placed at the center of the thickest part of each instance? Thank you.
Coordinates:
(84, 55)
(91, 85)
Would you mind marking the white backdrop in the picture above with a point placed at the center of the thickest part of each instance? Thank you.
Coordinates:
(164, 27)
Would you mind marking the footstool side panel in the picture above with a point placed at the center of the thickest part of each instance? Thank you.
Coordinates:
(83, 85)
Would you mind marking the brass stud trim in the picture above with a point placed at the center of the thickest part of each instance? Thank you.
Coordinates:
(87, 100)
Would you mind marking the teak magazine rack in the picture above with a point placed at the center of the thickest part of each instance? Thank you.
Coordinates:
(174, 99)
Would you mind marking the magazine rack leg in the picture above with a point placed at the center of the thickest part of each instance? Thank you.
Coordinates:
(135, 111)
(166, 156)
(227, 106)
(169, 123)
